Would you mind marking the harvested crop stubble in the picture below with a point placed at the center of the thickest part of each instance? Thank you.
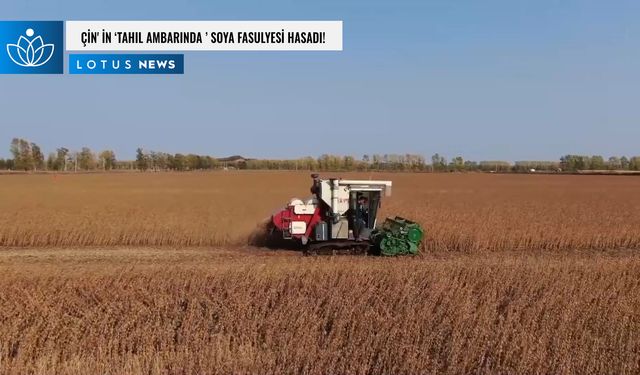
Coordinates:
(460, 212)
(215, 312)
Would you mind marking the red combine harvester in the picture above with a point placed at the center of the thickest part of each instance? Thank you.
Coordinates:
(341, 217)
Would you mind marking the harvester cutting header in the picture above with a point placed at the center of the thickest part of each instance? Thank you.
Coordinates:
(341, 217)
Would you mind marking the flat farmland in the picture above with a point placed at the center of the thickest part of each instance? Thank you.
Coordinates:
(154, 274)
(221, 311)
(459, 212)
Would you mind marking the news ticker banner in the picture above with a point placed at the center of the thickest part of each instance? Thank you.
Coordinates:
(105, 47)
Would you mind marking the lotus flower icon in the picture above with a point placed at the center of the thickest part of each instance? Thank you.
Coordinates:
(30, 52)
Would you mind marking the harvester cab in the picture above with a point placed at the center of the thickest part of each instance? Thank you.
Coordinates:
(339, 217)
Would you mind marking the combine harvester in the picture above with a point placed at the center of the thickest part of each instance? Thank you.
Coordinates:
(341, 218)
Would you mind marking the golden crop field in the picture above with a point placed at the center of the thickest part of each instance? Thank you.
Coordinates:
(216, 311)
(459, 212)
(152, 274)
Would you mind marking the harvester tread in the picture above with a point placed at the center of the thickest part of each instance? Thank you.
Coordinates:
(338, 248)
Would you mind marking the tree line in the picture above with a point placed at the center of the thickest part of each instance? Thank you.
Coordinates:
(28, 156)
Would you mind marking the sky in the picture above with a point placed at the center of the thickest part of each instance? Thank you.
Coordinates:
(487, 80)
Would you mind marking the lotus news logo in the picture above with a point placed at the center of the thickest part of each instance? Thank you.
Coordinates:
(31, 47)
(30, 52)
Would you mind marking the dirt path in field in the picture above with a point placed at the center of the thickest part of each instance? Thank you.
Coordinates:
(139, 254)
(89, 258)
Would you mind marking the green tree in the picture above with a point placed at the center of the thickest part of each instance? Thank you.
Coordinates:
(376, 161)
(324, 162)
(458, 163)
(438, 162)
(142, 161)
(349, 163)
(414, 162)
(62, 154)
(470, 165)
(597, 162)
(22, 154)
(86, 159)
(179, 162)
(51, 162)
(624, 163)
(107, 159)
(614, 163)
(575, 162)
(192, 162)
(37, 156)
(15, 151)
(634, 163)
(161, 160)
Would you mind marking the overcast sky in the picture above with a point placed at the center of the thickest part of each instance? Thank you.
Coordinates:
(510, 80)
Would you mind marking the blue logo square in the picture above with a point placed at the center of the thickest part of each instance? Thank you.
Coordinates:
(31, 47)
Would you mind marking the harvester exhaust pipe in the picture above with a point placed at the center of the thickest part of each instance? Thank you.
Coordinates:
(335, 185)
